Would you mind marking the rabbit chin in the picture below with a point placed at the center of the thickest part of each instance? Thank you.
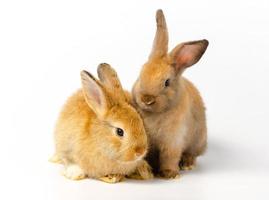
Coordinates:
(131, 161)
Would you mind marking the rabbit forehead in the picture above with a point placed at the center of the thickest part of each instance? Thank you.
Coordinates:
(153, 74)
(124, 116)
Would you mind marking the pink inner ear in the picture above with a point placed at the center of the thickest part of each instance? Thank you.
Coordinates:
(184, 57)
(96, 95)
(189, 54)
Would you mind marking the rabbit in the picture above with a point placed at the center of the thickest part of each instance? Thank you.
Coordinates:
(170, 105)
(99, 134)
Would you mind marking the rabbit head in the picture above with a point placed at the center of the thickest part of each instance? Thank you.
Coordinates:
(121, 135)
(158, 86)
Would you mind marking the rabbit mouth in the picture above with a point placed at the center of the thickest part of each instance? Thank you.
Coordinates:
(134, 160)
(143, 106)
(154, 108)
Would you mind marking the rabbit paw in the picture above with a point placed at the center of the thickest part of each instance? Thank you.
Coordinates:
(112, 178)
(169, 174)
(143, 172)
(74, 172)
(187, 162)
(55, 159)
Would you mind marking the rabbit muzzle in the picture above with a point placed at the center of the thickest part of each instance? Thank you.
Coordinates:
(148, 100)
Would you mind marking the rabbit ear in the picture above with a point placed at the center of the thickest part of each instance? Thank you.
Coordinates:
(108, 76)
(160, 43)
(94, 93)
(187, 54)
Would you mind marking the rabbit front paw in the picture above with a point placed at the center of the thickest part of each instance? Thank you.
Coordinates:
(169, 174)
(112, 178)
(187, 162)
(143, 172)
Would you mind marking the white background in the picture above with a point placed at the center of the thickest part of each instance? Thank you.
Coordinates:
(45, 44)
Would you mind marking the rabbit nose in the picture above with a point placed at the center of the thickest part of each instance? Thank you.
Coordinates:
(139, 151)
(148, 99)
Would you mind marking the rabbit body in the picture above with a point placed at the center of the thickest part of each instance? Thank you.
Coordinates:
(89, 141)
(179, 133)
(171, 107)
(76, 137)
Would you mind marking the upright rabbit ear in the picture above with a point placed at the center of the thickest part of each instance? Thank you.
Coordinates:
(108, 76)
(94, 93)
(160, 43)
(187, 54)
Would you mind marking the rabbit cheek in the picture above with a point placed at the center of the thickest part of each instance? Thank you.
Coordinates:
(129, 155)
(170, 97)
(112, 149)
(161, 104)
(135, 153)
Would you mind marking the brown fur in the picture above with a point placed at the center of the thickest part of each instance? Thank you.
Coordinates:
(175, 122)
(86, 138)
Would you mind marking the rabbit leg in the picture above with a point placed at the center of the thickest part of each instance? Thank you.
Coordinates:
(112, 178)
(143, 172)
(169, 159)
(187, 162)
(188, 159)
(74, 172)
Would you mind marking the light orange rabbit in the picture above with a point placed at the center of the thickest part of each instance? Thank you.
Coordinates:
(172, 108)
(99, 134)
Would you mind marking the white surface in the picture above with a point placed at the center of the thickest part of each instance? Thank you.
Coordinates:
(45, 44)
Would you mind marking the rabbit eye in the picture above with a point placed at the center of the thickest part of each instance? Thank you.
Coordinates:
(119, 132)
(167, 83)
